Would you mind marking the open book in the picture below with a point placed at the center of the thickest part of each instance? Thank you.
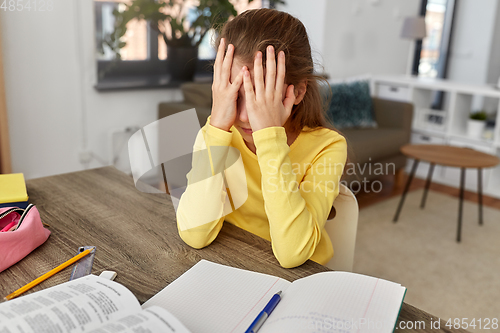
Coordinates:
(88, 304)
(212, 298)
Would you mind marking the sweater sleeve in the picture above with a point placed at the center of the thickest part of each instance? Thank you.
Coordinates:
(204, 203)
(297, 212)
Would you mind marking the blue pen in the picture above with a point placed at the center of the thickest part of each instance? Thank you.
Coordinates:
(261, 318)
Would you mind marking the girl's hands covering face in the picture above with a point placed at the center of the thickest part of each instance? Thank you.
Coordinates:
(265, 104)
(224, 93)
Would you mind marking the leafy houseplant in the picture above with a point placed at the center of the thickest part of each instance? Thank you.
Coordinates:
(478, 115)
(181, 23)
(476, 124)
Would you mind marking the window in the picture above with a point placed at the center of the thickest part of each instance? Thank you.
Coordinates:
(144, 57)
(431, 56)
(432, 53)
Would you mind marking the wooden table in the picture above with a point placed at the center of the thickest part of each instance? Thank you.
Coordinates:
(136, 235)
(451, 157)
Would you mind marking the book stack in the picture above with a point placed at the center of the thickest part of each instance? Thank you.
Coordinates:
(13, 191)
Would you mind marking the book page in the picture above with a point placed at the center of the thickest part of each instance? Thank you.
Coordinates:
(75, 306)
(153, 319)
(337, 302)
(214, 298)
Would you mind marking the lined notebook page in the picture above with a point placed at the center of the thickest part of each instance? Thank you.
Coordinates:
(337, 302)
(213, 298)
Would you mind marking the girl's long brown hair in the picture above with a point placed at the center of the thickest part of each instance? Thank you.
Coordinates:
(254, 30)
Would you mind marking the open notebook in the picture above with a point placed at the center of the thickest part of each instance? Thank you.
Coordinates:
(213, 298)
(210, 298)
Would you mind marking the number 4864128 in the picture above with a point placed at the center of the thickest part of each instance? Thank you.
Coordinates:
(27, 5)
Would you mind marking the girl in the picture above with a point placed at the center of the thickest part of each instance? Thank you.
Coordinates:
(267, 105)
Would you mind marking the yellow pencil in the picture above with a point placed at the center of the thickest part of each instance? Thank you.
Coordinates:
(47, 275)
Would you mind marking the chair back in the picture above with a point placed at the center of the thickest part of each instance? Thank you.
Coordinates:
(342, 230)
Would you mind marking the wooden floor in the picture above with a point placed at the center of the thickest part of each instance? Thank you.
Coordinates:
(389, 190)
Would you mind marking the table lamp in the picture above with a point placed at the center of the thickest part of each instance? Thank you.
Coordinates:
(414, 29)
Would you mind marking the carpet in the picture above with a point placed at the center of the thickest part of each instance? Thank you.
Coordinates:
(442, 277)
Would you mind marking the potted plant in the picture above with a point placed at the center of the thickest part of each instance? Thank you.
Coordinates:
(476, 124)
(182, 25)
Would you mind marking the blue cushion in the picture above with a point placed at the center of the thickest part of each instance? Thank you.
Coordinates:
(351, 105)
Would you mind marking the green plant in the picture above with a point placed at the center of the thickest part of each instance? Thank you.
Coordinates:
(179, 22)
(478, 115)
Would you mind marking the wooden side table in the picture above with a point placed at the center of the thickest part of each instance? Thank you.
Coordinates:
(451, 157)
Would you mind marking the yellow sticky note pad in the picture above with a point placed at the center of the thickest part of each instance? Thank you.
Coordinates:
(12, 188)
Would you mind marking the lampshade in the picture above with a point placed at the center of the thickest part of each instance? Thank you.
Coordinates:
(414, 28)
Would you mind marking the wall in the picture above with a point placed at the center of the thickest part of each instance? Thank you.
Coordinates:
(313, 15)
(494, 63)
(53, 110)
(363, 36)
(471, 46)
(5, 163)
(471, 41)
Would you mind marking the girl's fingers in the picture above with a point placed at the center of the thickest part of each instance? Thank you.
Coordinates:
(218, 60)
(238, 81)
(247, 83)
(258, 73)
(280, 79)
(270, 71)
(226, 65)
(289, 99)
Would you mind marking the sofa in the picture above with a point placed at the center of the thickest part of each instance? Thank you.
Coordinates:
(373, 152)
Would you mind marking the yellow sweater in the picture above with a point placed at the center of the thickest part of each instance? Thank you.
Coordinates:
(290, 191)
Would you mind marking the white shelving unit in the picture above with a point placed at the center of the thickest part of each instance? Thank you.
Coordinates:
(452, 129)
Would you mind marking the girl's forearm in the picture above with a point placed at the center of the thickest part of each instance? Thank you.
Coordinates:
(204, 203)
(295, 223)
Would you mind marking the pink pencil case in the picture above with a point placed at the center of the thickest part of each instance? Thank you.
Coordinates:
(21, 231)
